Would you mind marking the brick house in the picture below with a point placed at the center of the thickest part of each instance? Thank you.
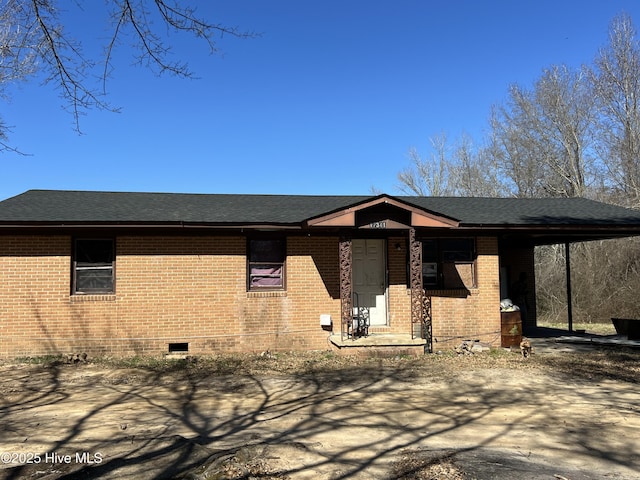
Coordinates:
(147, 273)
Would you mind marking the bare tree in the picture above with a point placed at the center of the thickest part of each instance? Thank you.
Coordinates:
(567, 115)
(429, 176)
(616, 81)
(474, 172)
(18, 53)
(509, 145)
(34, 40)
(541, 137)
(457, 169)
(574, 132)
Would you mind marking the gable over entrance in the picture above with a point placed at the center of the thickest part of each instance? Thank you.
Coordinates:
(382, 212)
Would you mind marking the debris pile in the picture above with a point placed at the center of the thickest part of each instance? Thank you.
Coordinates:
(506, 305)
(76, 358)
(469, 347)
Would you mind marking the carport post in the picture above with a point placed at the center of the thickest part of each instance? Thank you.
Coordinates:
(567, 259)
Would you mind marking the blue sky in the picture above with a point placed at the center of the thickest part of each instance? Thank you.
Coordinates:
(327, 100)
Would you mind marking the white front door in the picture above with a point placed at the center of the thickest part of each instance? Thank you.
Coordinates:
(369, 279)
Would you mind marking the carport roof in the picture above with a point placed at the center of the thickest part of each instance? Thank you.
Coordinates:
(539, 216)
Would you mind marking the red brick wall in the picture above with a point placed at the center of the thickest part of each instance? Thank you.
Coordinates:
(193, 290)
(168, 290)
(474, 313)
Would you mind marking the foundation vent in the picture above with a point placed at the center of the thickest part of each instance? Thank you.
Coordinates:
(178, 348)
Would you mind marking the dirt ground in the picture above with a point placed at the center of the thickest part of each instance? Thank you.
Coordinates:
(321, 416)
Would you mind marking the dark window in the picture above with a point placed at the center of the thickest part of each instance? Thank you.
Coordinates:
(93, 266)
(448, 263)
(266, 263)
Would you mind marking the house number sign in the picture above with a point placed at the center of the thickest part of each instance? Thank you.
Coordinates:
(381, 224)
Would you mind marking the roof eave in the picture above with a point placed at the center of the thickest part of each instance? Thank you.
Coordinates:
(537, 235)
(146, 225)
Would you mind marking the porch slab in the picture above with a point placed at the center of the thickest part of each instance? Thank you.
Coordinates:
(378, 340)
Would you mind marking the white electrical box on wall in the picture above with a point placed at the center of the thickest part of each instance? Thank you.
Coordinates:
(325, 320)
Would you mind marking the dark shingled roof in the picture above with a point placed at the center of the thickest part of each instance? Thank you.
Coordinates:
(85, 207)
(528, 211)
(160, 208)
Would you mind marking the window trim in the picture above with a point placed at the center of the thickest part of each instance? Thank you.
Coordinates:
(442, 252)
(283, 275)
(75, 268)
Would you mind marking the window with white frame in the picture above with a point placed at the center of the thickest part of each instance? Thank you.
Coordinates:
(93, 266)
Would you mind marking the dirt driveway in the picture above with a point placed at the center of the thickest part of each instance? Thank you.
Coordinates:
(320, 416)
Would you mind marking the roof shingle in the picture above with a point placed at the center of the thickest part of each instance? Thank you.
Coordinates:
(54, 206)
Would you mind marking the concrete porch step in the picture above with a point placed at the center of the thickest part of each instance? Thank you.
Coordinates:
(378, 340)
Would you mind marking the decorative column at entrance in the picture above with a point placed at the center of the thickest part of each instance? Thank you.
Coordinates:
(420, 302)
(346, 289)
(415, 277)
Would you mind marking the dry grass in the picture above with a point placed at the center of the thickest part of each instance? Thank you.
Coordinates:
(615, 363)
(320, 363)
(415, 465)
(594, 328)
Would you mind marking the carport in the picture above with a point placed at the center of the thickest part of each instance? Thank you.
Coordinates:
(573, 228)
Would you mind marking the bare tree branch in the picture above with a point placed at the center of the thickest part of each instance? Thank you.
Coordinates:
(616, 80)
(34, 41)
(428, 176)
(66, 70)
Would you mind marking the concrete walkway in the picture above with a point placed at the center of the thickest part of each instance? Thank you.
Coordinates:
(551, 340)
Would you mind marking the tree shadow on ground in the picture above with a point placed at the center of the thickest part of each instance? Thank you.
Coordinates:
(348, 421)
